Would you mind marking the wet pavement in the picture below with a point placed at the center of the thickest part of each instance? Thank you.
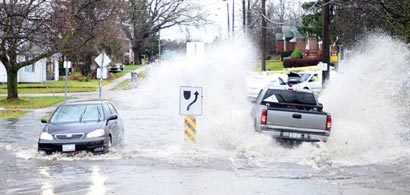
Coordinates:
(228, 157)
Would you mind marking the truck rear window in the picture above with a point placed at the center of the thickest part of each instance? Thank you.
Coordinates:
(288, 96)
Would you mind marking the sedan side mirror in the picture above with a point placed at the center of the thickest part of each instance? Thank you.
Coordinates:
(44, 121)
(112, 117)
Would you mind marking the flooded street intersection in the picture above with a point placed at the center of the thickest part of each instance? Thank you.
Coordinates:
(228, 157)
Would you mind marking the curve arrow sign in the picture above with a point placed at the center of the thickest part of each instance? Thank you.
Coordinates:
(196, 98)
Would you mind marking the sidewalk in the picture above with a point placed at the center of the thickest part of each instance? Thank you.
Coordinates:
(105, 89)
(111, 85)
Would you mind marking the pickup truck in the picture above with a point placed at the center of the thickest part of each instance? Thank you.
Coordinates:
(294, 115)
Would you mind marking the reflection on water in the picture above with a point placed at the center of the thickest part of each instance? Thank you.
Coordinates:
(47, 187)
(91, 182)
(98, 182)
(12, 120)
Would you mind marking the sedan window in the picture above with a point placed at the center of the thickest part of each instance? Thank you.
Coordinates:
(113, 110)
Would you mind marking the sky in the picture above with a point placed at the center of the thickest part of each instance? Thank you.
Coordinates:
(217, 10)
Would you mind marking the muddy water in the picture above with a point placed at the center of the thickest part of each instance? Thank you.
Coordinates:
(368, 151)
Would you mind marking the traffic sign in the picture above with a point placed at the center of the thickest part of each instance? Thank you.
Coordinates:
(102, 60)
(190, 101)
(104, 73)
(67, 64)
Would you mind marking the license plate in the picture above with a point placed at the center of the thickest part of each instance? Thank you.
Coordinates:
(68, 147)
(294, 135)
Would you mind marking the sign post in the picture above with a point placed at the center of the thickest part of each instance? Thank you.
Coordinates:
(102, 60)
(190, 105)
(67, 65)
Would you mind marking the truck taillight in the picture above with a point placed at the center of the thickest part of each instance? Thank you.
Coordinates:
(328, 122)
(264, 116)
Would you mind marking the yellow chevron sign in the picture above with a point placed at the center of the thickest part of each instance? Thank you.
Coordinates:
(190, 128)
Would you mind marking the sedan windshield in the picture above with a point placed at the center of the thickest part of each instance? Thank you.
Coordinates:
(305, 76)
(78, 113)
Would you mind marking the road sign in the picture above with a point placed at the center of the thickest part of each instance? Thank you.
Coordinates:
(102, 60)
(104, 73)
(190, 101)
(67, 64)
(323, 65)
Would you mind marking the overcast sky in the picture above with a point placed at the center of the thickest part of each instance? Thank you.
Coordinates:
(217, 10)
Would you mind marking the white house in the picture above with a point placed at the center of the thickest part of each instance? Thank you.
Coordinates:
(39, 72)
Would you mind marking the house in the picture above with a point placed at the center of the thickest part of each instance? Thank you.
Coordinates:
(39, 72)
(290, 38)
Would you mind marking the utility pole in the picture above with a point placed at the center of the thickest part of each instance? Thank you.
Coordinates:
(248, 15)
(227, 15)
(243, 16)
(233, 18)
(263, 35)
(326, 40)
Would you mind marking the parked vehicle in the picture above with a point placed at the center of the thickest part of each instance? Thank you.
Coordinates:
(93, 126)
(291, 115)
(294, 79)
(256, 82)
(116, 67)
(310, 80)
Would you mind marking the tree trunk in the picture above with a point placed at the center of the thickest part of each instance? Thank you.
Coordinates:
(137, 57)
(12, 84)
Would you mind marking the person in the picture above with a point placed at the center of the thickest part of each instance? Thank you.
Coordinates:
(314, 78)
(134, 76)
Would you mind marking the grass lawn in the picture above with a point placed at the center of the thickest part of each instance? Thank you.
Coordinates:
(128, 84)
(30, 102)
(72, 85)
(272, 65)
(15, 108)
(15, 113)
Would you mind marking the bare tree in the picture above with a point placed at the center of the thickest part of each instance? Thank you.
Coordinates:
(145, 18)
(34, 29)
(278, 13)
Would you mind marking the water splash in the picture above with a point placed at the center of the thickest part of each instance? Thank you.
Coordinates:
(365, 99)
(367, 103)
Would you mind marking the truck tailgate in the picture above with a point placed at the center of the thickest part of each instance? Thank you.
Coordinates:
(297, 119)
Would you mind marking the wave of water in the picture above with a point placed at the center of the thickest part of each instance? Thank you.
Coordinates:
(368, 105)
(365, 98)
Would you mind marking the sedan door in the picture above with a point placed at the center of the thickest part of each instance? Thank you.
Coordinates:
(115, 126)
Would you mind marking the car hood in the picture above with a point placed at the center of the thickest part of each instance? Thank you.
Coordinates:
(73, 127)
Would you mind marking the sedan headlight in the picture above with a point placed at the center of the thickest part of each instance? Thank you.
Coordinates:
(96, 133)
(46, 136)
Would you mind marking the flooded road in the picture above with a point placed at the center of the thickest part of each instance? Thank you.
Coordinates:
(368, 151)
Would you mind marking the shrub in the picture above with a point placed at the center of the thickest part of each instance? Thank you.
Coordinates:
(285, 54)
(297, 53)
(77, 76)
(292, 63)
